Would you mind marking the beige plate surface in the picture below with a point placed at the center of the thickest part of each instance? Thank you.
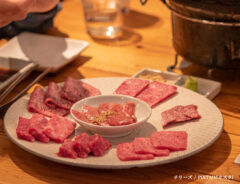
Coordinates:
(201, 133)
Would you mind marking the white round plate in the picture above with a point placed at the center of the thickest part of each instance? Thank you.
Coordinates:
(201, 133)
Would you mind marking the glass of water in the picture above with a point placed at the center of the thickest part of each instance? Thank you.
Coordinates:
(104, 18)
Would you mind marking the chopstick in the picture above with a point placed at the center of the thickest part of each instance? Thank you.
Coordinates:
(6, 105)
(19, 77)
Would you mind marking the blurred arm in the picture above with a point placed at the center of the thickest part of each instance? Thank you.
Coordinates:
(13, 10)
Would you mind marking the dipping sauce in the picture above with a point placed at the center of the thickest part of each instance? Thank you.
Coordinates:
(108, 114)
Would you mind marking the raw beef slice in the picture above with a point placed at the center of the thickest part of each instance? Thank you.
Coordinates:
(156, 92)
(36, 104)
(179, 114)
(99, 145)
(172, 140)
(75, 90)
(123, 114)
(125, 152)
(81, 145)
(143, 145)
(87, 113)
(131, 87)
(37, 125)
(66, 149)
(59, 128)
(54, 99)
(23, 128)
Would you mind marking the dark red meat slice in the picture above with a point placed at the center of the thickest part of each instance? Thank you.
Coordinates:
(125, 152)
(81, 145)
(37, 125)
(172, 140)
(54, 99)
(66, 149)
(179, 114)
(156, 92)
(143, 145)
(99, 145)
(75, 90)
(59, 128)
(131, 87)
(36, 104)
(23, 128)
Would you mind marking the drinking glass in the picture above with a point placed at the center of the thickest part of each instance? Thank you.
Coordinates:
(104, 18)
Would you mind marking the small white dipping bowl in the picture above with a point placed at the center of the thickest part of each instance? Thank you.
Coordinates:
(143, 112)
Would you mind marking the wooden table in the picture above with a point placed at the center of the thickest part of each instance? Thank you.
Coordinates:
(146, 43)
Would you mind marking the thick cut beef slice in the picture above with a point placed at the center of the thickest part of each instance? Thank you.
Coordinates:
(99, 145)
(54, 99)
(38, 123)
(36, 104)
(66, 149)
(59, 128)
(156, 92)
(179, 114)
(172, 140)
(81, 145)
(125, 152)
(75, 90)
(23, 128)
(143, 145)
(131, 87)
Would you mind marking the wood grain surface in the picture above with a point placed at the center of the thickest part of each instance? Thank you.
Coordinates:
(146, 43)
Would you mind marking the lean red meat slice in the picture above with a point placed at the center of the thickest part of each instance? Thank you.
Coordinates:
(123, 114)
(143, 145)
(156, 92)
(99, 145)
(81, 145)
(81, 116)
(129, 108)
(59, 128)
(87, 114)
(37, 125)
(125, 152)
(66, 149)
(36, 104)
(75, 90)
(54, 99)
(179, 114)
(131, 87)
(172, 140)
(120, 119)
(23, 128)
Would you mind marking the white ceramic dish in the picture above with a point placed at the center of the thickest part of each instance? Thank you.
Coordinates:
(47, 51)
(170, 77)
(207, 88)
(143, 112)
(201, 133)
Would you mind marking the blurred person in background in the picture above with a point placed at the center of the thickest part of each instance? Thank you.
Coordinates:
(17, 16)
